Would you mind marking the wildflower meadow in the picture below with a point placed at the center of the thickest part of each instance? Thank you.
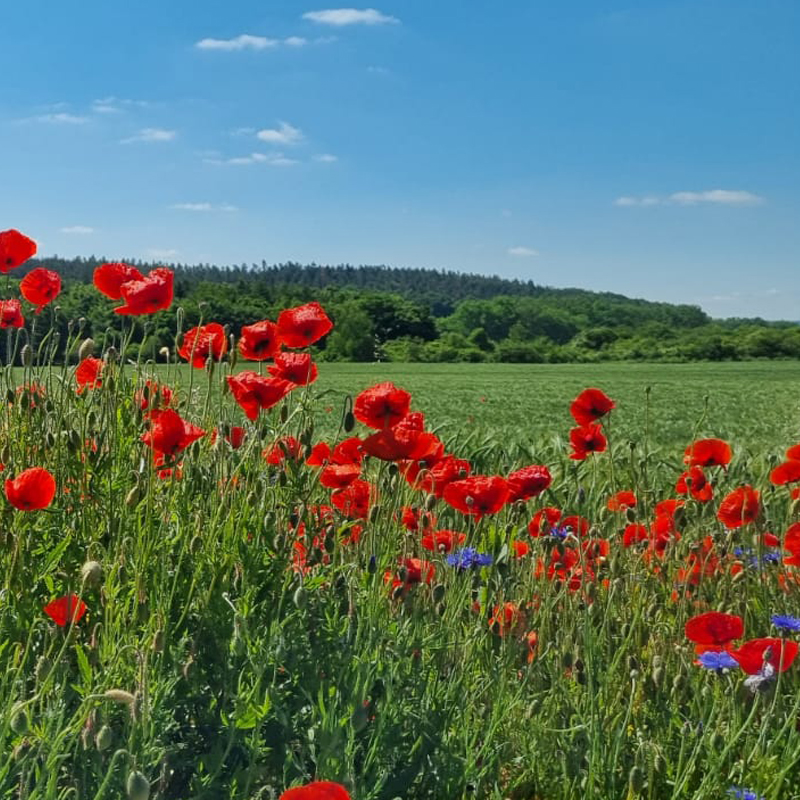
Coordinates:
(223, 580)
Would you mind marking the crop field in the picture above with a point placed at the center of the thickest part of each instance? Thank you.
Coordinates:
(283, 579)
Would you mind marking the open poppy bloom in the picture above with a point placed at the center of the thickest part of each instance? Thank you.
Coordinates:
(787, 472)
(87, 374)
(713, 630)
(382, 405)
(443, 541)
(544, 520)
(285, 447)
(295, 367)
(303, 325)
(169, 433)
(586, 439)
(791, 542)
(11, 314)
(15, 249)
(528, 482)
(147, 295)
(40, 286)
(590, 405)
(204, 342)
(254, 392)
(708, 453)
(66, 610)
(621, 500)
(317, 790)
(754, 654)
(338, 476)
(260, 340)
(153, 395)
(31, 490)
(109, 278)
(402, 443)
(695, 483)
(478, 495)
(436, 478)
(355, 500)
(739, 507)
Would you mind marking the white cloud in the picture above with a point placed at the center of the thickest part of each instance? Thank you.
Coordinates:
(284, 134)
(243, 42)
(522, 252)
(728, 197)
(160, 253)
(79, 230)
(202, 207)
(116, 105)
(151, 135)
(270, 159)
(61, 118)
(326, 158)
(295, 41)
(340, 17)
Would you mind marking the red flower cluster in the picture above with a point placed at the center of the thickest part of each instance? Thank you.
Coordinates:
(143, 294)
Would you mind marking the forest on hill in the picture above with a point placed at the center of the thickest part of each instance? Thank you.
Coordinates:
(383, 313)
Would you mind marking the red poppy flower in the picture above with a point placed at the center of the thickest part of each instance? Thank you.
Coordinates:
(506, 619)
(713, 630)
(66, 610)
(153, 395)
(147, 295)
(438, 477)
(695, 482)
(708, 453)
(788, 472)
(295, 367)
(31, 490)
(382, 405)
(634, 533)
(303, 325)
(544, 520)
(254, 392)
(348, 451)
(753, 654)
(11, 314)
(621, 500)
(169, 433)
(260, 340)
(109, 278)
(402, 443)
(793, 453)
(791, 542)
(478, 495)
(443, 541)
(15, 249)
(576, 524)
(337, 476)
(285, 447)
(204, 342)
(317, 790)
(235, 438)
(521, 549)
(415, 519)
(40, 286)
(590, 405)
(320, 455)
(87, 374)
(528, 482)
(354, 500)
(739, 507)
(585, 440)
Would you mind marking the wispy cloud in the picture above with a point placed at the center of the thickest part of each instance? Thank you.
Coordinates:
(150, 135)
(522, 252)
(202, 207)
(116, 105)
(726, 197)
(283, 134)
(247, 41)
(326, 158)
(270, 159)
(60, 118)
(78, 230)
(339, 17)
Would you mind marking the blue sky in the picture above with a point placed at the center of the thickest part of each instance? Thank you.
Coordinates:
(647, 148)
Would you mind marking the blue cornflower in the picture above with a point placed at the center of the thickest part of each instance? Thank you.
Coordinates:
(786, 623)
(560, 533)
(468, 557)
(717, 661)
(744, 794)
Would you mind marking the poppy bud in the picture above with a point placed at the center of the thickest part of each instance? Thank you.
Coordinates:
(329, 544)
(794, 508)
(10, 397)
(284, 415)
(299, 597)
(91, 573)
(579, 665)
(632, 662)
(195, 544)
(42, 669)
(636, 780)
(26, 355)
(111, 355)
(188, 669)
(438, 593)
(430, 502)
(86, 349)
(104, 738)
(19, 721)
(137, 786)
(372, 565)
(678, 682)
(567, 660)
(440, 608)
(158, 641)
(373, 513)
(132, 498)
(232, 350)
(349, 422)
